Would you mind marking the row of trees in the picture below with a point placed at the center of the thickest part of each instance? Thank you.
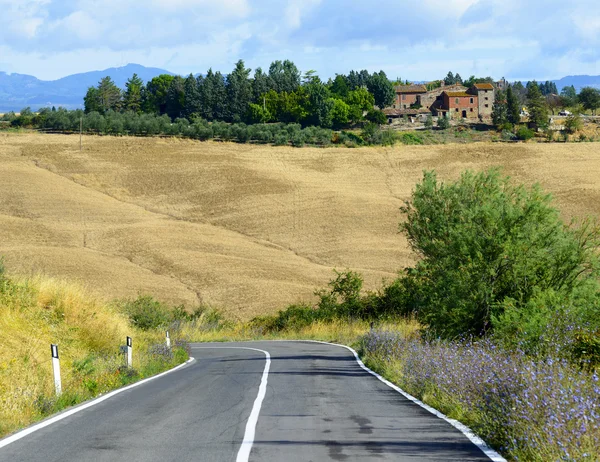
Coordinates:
(132, 123)
(508, 104)
(282, 94)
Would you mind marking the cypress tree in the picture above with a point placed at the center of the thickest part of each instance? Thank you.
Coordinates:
(192, 97)
(513, 112)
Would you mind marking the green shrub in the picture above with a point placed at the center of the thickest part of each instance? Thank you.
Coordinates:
(202, 132)
(298, 139)
(573, 123)
(508, 135)
(524, 133)
(411, 138)
(147, 313)
(443, 123)
(484, 241)
(371, 133)
(389, 137)
(281, 139)
(429, 122)
(376, 116)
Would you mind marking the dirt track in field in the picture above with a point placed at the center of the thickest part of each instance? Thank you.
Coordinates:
(247, 229)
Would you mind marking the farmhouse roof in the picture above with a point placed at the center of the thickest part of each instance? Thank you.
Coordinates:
(457, 94)
(484, 86)
(391, 112)
(411, 89)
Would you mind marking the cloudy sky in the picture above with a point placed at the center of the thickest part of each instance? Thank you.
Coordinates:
(416, 39)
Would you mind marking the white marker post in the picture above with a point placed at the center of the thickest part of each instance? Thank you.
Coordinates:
(129, 352)
(168, 340)
(56, 369)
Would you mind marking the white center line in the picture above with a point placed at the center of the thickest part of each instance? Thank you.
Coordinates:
(244, 452)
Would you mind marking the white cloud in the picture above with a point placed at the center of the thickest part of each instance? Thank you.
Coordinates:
(539, 38)
(296, 10)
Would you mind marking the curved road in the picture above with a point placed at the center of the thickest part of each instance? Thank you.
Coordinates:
(319, 405)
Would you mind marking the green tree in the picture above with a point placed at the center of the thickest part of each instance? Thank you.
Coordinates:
(156, 94)
(569, 95)
(257, 114)
(450, 79)
(359, 101)
(429, 122)
(103, 98)
(499, 110)
(483, 241)
(590, 99)
(339, 86)
(193, 105)
(513, 109)
(382, 90)
(91, 100)
(175, 102)
(443, 123)
(284, 76)
(538, 111)
(132, 98)
(320, 105)
(361, 98)
(376, 117)
(573, 123)
(340, 113)
(294, 107)
(260, 85)
(213, 96)
(520, 93)
(357, 80)
(239, 92)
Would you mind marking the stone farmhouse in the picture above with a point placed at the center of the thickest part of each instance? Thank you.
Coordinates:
(453, 101)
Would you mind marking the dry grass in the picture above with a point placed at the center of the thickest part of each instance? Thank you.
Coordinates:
(39, 311)
(246, 229)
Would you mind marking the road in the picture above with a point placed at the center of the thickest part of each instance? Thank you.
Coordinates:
(319, 405)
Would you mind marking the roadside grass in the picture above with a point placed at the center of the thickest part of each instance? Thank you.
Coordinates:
(345, 332)
(38, 311)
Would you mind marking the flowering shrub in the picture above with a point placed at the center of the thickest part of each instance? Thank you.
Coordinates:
(544, 409)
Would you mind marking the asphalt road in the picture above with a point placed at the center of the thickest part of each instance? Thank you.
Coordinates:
(319, 405)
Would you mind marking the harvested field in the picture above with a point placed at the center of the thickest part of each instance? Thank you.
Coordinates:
(247, 229)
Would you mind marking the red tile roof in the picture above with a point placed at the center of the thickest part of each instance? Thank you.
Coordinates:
(457, 94)
(411, 89)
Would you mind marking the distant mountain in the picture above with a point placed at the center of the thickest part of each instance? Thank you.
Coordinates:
(18, 90)
(578, 81)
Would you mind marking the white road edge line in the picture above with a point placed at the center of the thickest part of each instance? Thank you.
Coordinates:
(476, 440)
(23, 433)
(244, 452)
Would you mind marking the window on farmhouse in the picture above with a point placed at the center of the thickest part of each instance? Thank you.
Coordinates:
(471, 100)
(456, 100)
(487, 105)
(403, 97)
(471, 109)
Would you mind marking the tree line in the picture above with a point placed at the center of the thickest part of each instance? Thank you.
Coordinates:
(282, 94)
(508, 105)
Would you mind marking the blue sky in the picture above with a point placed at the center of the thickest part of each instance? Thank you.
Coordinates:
(418, 40)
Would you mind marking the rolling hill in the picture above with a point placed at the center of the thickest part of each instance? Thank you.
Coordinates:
(18, 90)
(246, 229)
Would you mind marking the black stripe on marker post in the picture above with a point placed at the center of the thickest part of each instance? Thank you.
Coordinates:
(128, 341)
(54, 350)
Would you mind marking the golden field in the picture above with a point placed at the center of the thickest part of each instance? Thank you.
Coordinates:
(246, 229)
